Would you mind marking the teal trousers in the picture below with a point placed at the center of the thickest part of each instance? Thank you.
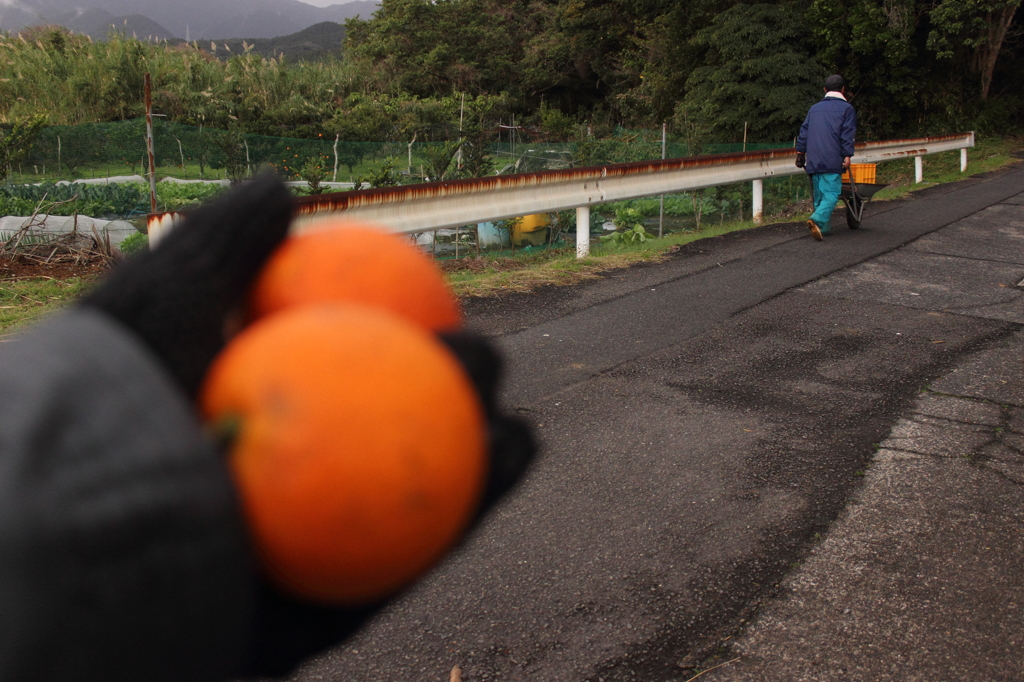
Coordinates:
(827, 187)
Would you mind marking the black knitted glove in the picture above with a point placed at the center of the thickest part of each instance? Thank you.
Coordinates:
(511, 440)
(801, 159)
(180, 297)
(123, 555)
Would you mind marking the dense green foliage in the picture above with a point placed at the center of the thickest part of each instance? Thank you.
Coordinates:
(935, 65)
(755, 54)
(133, 243)
(68, 199)
(171, 196)
(16, 141)
(708, 66)
(444, 70)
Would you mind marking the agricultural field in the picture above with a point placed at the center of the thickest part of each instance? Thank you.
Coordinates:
(115, 200)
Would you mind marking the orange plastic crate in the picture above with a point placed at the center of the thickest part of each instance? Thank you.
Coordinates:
(862, 172)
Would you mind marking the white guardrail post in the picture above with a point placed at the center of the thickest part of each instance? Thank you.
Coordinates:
(918, 170)
(963, 160)
(158, 225)
(757, 209)
(582, 231)
(438, 205)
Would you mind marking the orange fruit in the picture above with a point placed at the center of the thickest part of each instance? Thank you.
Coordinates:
(359, 454)
(346, 261)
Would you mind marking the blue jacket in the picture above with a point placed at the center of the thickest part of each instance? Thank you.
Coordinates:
(827, 135)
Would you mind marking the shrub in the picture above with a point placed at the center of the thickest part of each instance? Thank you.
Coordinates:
(134, 243)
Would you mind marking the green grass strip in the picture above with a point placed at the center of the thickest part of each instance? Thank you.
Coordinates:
(25, 300)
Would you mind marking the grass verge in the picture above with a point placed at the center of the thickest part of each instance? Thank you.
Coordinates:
(25, 300)
(988, 154)
(495, 276)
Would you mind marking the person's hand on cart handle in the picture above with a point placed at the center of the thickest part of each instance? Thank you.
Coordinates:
(846, 162)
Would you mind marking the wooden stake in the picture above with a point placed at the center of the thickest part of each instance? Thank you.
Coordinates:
(149, 144)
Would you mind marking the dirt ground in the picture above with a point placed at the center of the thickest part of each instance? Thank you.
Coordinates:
(19, 267)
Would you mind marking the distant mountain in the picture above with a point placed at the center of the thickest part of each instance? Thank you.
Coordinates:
(310, 43)
(99, 23)
(15, 15)
(189, 19)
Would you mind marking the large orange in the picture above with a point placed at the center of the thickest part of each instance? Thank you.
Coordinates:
(359, 454)
(346, 261)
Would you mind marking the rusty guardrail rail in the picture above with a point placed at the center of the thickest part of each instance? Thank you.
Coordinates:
(437, 205)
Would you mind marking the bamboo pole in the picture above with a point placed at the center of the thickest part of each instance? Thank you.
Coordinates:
(149, 144)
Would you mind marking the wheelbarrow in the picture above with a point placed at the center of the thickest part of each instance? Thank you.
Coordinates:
(856, 195)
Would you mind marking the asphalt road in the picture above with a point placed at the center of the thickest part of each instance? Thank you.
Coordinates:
(703, 421)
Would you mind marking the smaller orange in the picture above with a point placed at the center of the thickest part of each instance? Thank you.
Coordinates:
(359, 452)
(347, 261)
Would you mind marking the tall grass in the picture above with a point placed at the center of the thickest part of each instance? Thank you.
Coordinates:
(74, 79)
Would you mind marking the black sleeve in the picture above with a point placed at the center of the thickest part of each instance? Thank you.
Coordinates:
(122, 556)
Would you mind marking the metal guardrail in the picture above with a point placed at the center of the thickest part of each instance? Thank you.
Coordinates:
(431, 206)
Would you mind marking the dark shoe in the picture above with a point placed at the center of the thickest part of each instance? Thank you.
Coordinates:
(815, 232)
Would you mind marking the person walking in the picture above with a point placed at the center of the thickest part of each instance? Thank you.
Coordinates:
(824, 148)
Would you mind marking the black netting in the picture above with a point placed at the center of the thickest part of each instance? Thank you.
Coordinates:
(99, 150)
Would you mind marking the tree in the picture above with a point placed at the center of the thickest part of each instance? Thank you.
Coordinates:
(658, 57)
(919, 66)
(879, 50)
(978, 26)
(477, 119)
(383, 176)
(439, 159)
(16, 139)
(231, 144)
(435, 47)
(555, 123)
(351, 154)
(582, 54)
(314, 172)
(758, 71)
(476, 159)
(586, 151)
